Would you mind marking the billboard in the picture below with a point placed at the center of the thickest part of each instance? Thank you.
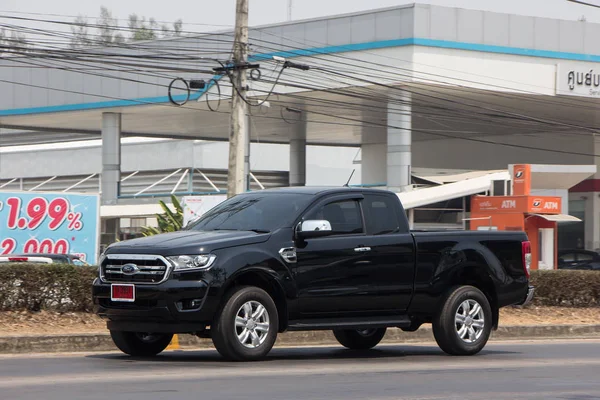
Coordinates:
(57, 223)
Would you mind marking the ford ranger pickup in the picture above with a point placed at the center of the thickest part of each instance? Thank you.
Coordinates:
(298, 259)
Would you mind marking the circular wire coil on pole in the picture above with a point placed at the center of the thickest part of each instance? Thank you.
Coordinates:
(255, 74)
(187, 89)
(216, 82)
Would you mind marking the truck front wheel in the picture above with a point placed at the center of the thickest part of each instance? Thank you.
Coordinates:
(140, 344)
(246, 327)
(361, 339)
(463, 324)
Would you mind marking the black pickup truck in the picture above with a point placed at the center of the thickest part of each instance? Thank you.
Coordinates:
(299, 259)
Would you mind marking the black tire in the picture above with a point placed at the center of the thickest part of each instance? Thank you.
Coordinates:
(224, 331)
(447, 329)
(361, 339)
(141, 344)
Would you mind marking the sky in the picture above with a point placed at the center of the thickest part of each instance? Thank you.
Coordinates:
(199, 14)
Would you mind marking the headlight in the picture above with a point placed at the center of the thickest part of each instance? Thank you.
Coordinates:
(189, 263)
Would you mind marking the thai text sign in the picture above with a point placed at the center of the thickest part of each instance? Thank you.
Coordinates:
(578, 80)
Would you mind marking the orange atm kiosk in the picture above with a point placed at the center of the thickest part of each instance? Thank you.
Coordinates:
(523, 212)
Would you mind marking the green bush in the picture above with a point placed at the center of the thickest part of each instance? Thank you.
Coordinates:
(68, 288)
(53, 287)
(566, 288)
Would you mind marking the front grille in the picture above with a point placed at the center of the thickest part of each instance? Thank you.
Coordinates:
(150, 269)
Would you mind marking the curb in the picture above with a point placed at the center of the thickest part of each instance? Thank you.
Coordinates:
(103, 342)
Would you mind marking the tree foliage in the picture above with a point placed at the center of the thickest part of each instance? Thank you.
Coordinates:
(141, 29)
(169, 221)
(81, 36)
(108, 28)
(12, 41)
(108, 31)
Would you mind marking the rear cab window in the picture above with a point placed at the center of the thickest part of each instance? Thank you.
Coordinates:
(380, 214)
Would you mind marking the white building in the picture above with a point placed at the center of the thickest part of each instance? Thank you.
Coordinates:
(418, 89)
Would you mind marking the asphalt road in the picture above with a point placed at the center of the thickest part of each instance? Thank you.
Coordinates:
(511, 370)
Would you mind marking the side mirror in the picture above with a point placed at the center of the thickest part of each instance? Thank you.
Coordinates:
(313, 228)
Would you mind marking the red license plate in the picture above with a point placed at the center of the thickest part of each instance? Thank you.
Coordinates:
(122, 293)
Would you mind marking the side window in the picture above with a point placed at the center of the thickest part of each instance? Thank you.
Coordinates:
(570, 257)
(344, 216)
(584, 257)
(381, 215)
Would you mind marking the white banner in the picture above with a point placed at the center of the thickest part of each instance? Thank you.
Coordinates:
(195, 206)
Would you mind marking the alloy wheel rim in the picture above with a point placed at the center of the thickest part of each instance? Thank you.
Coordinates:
(252, 324)
(469, 321)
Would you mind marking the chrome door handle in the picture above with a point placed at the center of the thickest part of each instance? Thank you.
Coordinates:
(362, 249)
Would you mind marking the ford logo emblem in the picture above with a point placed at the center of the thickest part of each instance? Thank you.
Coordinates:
(130, 269)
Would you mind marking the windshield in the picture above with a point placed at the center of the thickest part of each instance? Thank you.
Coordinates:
(253, 212)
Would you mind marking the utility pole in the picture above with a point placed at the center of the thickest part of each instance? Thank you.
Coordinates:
(238, 134)
(290, 6)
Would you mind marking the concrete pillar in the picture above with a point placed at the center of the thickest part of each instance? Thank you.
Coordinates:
(373, 155)
(111, 157)
(399, 121)
(298, 152)
(373, 160)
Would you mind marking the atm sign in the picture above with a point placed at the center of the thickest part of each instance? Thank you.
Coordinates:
(550, 205)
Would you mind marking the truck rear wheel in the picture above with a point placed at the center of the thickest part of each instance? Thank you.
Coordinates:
(246, 327)
(141, 344)
(361, 339)
(464, 322)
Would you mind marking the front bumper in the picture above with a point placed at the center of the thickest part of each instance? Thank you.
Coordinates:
(174, 306)
(529, 297)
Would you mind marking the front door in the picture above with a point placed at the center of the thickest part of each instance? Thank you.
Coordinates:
(334, 273)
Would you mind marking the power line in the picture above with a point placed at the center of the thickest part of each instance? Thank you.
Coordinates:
(117, 19)
(111, 77)
(417, 72)
(264, 30)
(358, 121)
(500, 112)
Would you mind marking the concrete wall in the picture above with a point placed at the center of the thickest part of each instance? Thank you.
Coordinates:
(483, 27)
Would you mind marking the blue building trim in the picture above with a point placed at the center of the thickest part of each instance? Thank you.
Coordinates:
(560, 55)
(108, 104)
